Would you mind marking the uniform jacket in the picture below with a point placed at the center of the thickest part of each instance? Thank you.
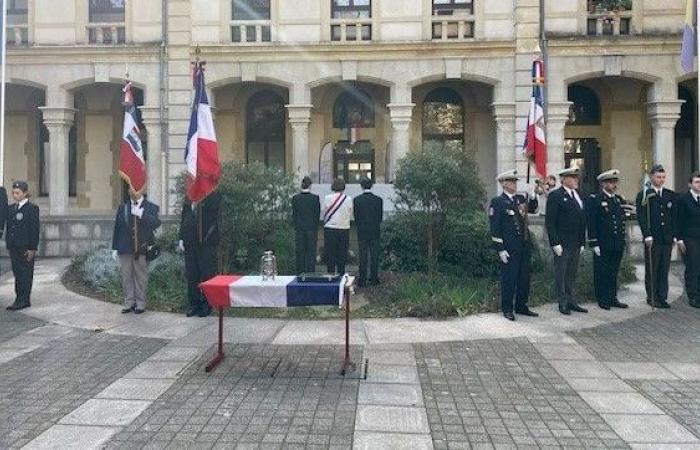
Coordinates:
(23, 227)
(202, 220)
(688, 217)
(508, 230)
(663, 213)
(3, 210)
(369, 211)
(606, 226)
(306, 211)
(565, 220)
(123, 238)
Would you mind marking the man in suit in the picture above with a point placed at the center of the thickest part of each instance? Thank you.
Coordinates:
(199, 239)
(606, 237)
(134, 227)
(657, 216)
(369, 212)
(689, 237)
(22, 240)
(306, 212)
(511, 239)
(565, 222)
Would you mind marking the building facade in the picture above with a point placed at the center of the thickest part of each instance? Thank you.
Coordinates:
(340, 88)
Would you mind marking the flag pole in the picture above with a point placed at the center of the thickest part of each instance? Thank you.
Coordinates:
(3, 60)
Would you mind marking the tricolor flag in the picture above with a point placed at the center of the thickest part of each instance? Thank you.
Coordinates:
(535, 146)
(202, 152)
(689, 48)
(132, 165)
(224, 291)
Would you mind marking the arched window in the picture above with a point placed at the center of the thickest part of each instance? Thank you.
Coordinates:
(586, 106)
(354, 156)
(265, 128)
(353, 109)
(443, 118)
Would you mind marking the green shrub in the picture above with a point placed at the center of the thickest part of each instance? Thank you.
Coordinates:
(466, 247)
(403, 242)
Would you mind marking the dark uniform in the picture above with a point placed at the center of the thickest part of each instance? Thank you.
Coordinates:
(689, 233)
(369, 211)
(657, 219)
(199, 232)
(306, 212)
(565, 222)
(22, 235)
(509, 232)
(606, 230)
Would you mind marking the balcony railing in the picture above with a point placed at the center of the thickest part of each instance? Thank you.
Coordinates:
(250, 31)
(452, 28)
(609, 23)
(351, 30)
(17, 34)
(106, 33)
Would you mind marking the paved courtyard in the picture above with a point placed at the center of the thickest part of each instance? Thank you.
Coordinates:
(77, 374)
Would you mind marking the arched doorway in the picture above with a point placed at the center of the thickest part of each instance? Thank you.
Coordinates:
(353, 155)
(582, 148)
(442, 124)
(265, 128)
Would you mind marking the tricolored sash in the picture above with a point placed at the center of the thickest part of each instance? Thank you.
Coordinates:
(335, 206)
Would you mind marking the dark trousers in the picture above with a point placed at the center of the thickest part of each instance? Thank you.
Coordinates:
(23, 271)
(515, 280)
(657, 272)
(605, 270)
(305, 241)
(200, 265)
(336, 242)
(369, 261)
(565, 269)
(692, 268)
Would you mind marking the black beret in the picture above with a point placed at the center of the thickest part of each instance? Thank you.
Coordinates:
(21, 185)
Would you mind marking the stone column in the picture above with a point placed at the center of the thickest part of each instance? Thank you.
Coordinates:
(557, 116)
(663, 115)
(58, 121)
(299, 119)
(504, 116)
(400, 115)
(154, 158)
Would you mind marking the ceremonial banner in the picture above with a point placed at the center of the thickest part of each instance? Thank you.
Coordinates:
(132, 165)
(689, 47)
(535, 146)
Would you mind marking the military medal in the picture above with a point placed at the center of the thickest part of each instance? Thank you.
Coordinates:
(669, 204)
(19, 216)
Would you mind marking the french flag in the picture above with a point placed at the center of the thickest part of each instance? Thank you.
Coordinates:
(132, 165)
(202, 151)
(535, 146)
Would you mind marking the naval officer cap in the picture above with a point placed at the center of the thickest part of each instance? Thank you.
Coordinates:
(570, 172)
(21, 185)
(656, 168)
(612, 174)
(508, 175)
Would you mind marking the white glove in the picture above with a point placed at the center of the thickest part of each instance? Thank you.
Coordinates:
(136, 211)
(596, 250)
(580, 251)
(504, 255)
(558, 250)
(180, 246)
(649, 241)
(681, 246)
(115, 255)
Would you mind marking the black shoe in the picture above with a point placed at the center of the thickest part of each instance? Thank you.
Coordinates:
(204, 312)
(663, 305)
(139, 311)
(564, 310)
(695, 304)
(191, 312)
(128, 310)
(604, 306)
(576, 308)
(526, 312)
(16, 307)
(509, 315)
(618, 304)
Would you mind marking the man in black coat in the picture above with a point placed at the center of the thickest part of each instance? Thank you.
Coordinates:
(511, 239)
(606, 237)
(689, 237)
(22, 241)
(199, 239)
(306, 212)
(657, 216)
(565, 222)
(369, 212)
(134, 227)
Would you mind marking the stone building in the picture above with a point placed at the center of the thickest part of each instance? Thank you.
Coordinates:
(339, 87)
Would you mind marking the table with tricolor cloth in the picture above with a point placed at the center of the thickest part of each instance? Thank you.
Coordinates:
(225, 291)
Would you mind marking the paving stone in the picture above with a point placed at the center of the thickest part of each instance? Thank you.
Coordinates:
(599, 385)
(684, 371)
(136, 389)
(64, 437)
(390, 394)
(106, 412)
(158, 369)
(640, 371)
(391, 419)
(368, 441)
(385, 373)
(679, 399)
(406, 358)
(649, 428)
(622, 403)
(582, 369)
(563, 351)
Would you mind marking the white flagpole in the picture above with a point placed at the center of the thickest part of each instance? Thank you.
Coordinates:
(3, 56)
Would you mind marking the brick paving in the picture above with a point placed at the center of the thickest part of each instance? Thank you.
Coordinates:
(503, 393)
(678, 398)
(260, 396)
(13, 324)
(40, 387)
